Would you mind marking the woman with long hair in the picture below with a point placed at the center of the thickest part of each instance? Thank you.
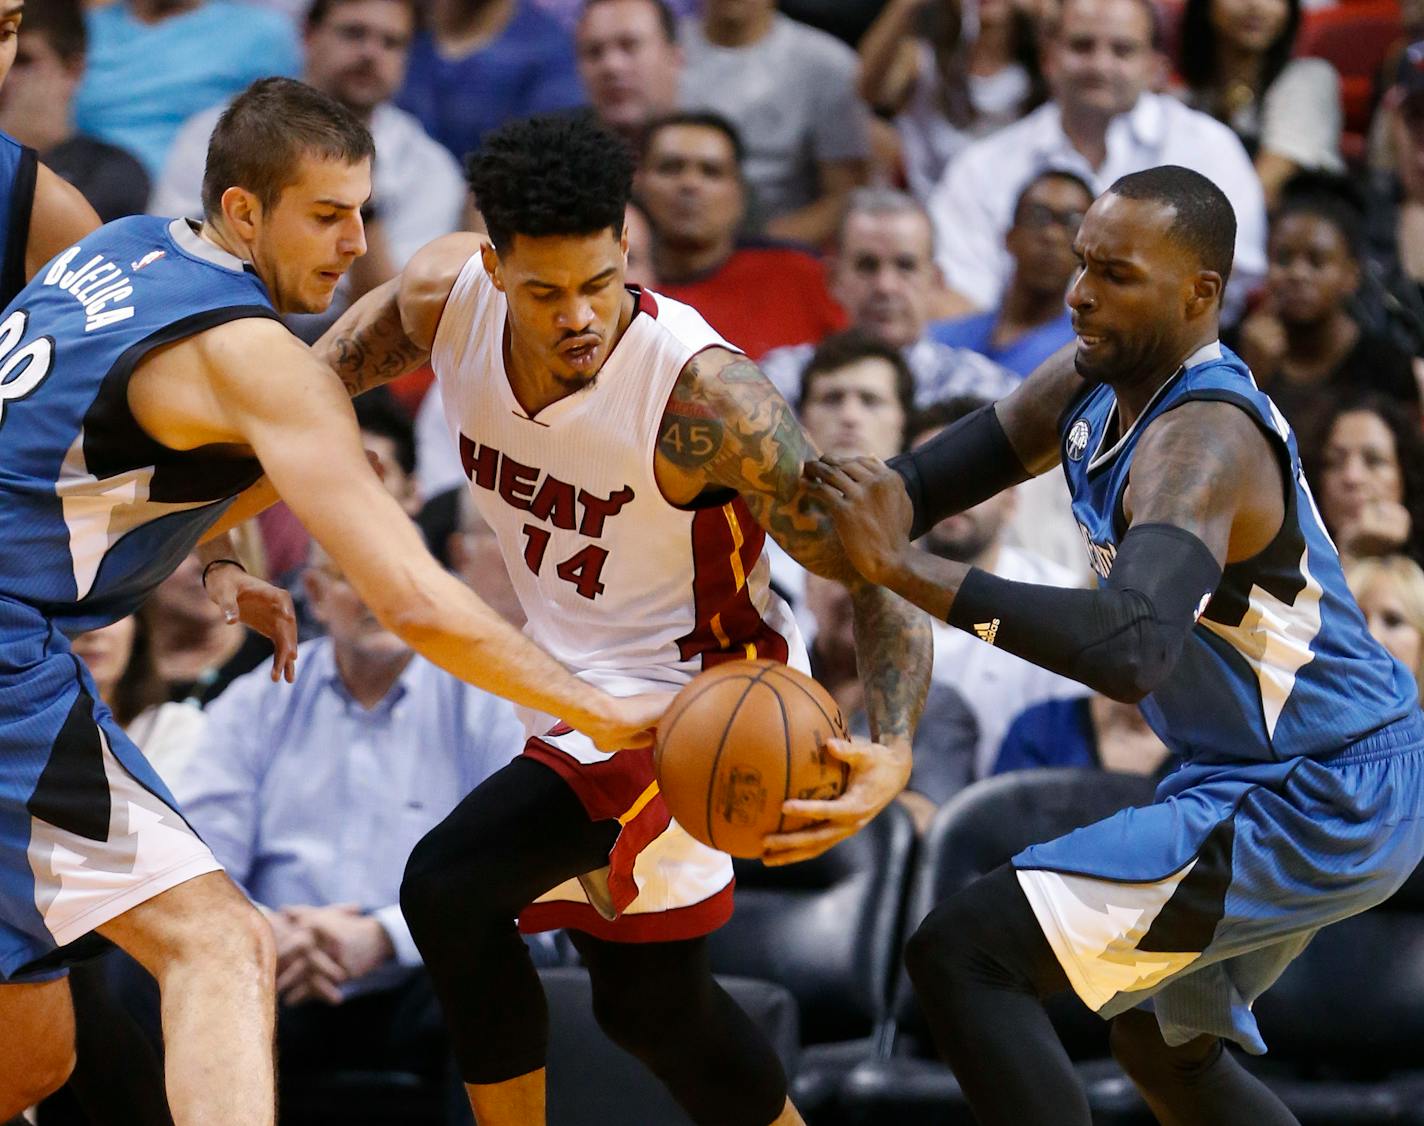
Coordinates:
(947, 72)
(1366, 469)
(1235, 58)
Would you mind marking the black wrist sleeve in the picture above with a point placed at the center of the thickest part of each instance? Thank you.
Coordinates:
(967, 462)
(1122, 639)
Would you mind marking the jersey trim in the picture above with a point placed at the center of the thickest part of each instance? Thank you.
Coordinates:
(109, 426)
(726, 545)
(17, 229)
(679, 923)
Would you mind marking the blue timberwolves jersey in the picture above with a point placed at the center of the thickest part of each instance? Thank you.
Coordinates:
(17, 197)
(1280, 662)
(93, 512)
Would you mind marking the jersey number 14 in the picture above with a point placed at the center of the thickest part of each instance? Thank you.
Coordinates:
(581, 569)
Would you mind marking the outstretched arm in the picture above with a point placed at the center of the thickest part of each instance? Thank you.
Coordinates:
(1205, 489)
(270, 393)
(727, 426)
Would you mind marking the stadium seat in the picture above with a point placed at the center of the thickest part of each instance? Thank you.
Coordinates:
(592, 1082)
(1354, 38)
(975, 832)
(828, 930)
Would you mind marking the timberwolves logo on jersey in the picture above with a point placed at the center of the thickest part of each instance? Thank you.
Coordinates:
(1078, 439)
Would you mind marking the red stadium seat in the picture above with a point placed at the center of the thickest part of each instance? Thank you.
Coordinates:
(1354, 37)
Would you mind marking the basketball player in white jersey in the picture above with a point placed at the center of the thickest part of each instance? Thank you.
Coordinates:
(631, 462)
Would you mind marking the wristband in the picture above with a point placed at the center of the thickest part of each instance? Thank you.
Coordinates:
(214, 562)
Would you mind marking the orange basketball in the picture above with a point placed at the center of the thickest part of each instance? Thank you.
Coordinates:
(740, 739)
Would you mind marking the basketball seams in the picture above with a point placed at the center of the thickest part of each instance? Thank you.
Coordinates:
(721, 748)
(793, 682)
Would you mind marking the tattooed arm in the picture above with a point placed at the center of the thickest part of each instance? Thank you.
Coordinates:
(389, 331)
(726, 426)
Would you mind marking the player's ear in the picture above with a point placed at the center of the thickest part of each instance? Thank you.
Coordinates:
(1205, 294)
(489, 257)
(242, 211)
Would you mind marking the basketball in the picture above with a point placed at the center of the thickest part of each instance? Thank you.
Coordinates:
(740, 739)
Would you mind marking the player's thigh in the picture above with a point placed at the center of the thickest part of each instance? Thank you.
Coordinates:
(37, 1044)
(205, 918)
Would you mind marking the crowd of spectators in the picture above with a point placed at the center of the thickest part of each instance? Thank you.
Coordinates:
(884, 223)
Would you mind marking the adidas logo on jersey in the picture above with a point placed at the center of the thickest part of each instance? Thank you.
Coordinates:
(987, 631)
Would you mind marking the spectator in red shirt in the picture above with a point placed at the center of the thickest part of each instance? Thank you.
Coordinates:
(759, 294)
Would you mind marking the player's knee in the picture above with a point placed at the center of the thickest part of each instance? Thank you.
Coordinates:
(421, 889)
(941, 947)
(45, 1075)
(1136, 1043)
(642, 1022)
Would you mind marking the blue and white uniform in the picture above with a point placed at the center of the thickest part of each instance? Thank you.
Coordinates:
(1298, 794)
(17, 197)
(93, 515)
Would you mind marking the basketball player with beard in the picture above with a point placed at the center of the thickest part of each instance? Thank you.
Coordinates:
(1223, 612)
(631, 463)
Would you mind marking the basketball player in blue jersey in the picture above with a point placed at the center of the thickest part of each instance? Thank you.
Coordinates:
(1223, 612)
(40, 214)
(149, 396)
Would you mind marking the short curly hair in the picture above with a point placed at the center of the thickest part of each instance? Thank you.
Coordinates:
(556, 174)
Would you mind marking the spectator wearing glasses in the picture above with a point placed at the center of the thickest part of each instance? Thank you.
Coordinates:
(1032, 321)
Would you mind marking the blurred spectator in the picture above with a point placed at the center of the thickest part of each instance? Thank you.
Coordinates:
(356, 51)
(1302, 342)
(640, 270)
(756, 294)
(1367, 469)
(857, 396)
(154, 63)
(947, 734)
(630, 63)
(947, 73)
(120, 657)
(790, 90)
(1390, 591)
(1396, 208)
(197, 654)
(37, 109)
(480, 63)
(1085, 731)
(312, 796)
(1104, 122)
(996, 684)
(884, 276)
(1032, 320)
(1235, 56)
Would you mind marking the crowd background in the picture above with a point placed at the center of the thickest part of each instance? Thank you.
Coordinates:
(876, 199)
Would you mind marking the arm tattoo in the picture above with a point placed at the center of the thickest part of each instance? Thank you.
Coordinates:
(368, 346)
(728, 425)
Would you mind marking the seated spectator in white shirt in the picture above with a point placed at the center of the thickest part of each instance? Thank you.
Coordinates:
(1104, 121)
(356, 51)
(37, 109)
(997, 685)
(885, 277)
(312, 796)
(790, 90)
(1235, 58)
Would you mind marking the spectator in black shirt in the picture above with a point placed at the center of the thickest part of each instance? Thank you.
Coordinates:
(1304, 343)
(35, 109)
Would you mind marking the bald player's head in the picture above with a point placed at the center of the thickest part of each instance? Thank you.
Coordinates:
(1155, 253)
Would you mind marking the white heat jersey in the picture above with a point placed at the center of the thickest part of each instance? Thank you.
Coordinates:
(617, 583)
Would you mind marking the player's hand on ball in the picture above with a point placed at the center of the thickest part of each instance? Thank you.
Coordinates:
(878, 772)
(261, 606)
(626, 723)
(867, 501)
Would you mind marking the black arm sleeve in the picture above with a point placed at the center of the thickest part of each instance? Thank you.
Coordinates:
(1122, 639)
(967, 462)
